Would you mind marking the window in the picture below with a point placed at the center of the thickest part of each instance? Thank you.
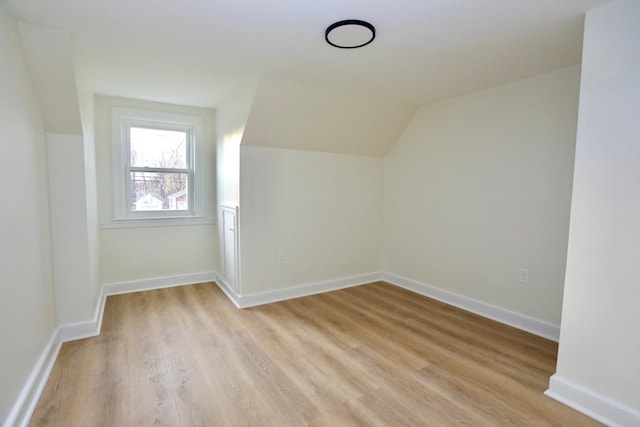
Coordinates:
(159, 169)
(155, 158)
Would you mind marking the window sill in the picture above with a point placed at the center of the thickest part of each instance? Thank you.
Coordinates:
(156, 222)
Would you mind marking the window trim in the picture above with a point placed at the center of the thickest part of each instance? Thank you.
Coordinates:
(122, 119)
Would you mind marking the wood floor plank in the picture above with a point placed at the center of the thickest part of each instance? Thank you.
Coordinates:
(148, 373)
(339, 377)
(64, 403)
(374, 355)
(232, 394)
(477, 344)
(313, 375)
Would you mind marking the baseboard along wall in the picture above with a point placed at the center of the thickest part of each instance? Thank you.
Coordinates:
(27, 400)
(511, 318)
(307, 289)
(520, 321)
(590, 403)
(138, 285)
(596, 406)
(23, 408)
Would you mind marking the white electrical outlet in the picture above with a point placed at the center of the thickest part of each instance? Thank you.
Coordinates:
(280, 257)
(524, 276)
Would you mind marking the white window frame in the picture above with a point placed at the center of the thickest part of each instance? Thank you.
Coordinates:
(122, 119)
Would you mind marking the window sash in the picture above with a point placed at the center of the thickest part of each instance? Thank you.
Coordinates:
(128, 168)
(159, 170)
(123, 120)
(158, 177)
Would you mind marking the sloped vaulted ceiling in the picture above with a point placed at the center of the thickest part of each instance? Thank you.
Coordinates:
(289, 114)
(196, 53)
(50, 65)
(193, 52)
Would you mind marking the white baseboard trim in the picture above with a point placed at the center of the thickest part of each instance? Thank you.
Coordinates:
(23, 407)
(116, 288)
(520, 321)
(517, 320)
(586, 401)
(597, 406)
(224, 286)
(89, 328)
(267, 297)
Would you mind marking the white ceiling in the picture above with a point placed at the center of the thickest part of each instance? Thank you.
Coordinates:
(195, 51)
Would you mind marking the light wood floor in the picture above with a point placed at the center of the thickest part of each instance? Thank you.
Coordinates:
(371, 355)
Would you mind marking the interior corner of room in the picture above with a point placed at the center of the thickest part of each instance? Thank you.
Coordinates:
(518, 201)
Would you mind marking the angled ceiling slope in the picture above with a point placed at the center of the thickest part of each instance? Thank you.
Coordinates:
(295, 115)
(50, 65)
(193, 52)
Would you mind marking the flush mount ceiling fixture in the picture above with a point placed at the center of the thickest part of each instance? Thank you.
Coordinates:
(350, 34)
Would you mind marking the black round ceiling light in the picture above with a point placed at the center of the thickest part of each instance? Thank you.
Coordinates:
(350, 34)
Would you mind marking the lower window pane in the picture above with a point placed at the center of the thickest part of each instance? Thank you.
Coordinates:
(159, 191)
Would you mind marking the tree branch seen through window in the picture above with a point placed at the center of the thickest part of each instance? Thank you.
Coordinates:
(159, 171)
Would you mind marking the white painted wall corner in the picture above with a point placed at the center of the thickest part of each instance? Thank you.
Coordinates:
(228, 291)
(128, 286)
(245, 301)
(511, 318)
(595, 405)
(27, 400)
(89, 328)
(517, 320)
(25, 404)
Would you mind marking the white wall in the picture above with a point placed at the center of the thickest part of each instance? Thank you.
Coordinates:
(323, 210)
(91, 192)
(86, 110)
(27, 305)
(154, 252)
(231, 119)
(128, 254)
(48, 57)
(72, 266)
(311, 180)
(600, 336)
(71, 171)
(479, 186)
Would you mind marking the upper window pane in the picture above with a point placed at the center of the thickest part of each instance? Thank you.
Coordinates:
(158, 148)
